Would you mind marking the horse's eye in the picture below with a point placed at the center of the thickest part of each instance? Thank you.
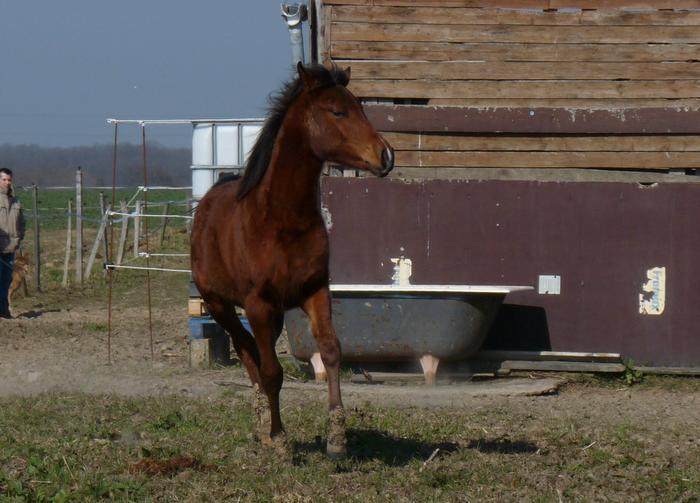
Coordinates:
(339, 114)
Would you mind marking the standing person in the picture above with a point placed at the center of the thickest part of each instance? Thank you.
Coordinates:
(11, 234)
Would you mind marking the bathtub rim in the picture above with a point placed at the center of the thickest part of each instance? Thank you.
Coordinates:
(425, 290)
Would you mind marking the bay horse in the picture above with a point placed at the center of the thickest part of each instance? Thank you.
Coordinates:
(260, 242)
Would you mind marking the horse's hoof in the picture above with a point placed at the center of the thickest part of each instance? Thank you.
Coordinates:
(336, 446)
(336, 452)
(277, 446)
(280, 444)
(261, 409)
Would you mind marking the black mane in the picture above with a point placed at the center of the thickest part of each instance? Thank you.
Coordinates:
(259, 157)
(227, 177)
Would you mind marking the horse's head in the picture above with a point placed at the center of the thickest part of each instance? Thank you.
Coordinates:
(339, 131)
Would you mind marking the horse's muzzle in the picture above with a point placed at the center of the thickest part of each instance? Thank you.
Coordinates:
(387, 162)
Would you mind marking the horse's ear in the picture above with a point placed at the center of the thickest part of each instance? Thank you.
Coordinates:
(306, 78)
(347, 72)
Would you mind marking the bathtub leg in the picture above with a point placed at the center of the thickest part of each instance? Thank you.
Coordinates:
(430, 365)
(319, 368)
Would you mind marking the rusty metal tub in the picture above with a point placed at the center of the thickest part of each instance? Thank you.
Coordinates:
(402, 323)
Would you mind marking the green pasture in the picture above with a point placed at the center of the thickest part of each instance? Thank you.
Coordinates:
(53, 221)
(53, 204)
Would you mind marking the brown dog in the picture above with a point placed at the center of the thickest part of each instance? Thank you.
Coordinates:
(19, 272)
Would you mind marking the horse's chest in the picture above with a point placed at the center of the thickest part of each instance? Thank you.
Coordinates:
(304, 256)
(293, 264)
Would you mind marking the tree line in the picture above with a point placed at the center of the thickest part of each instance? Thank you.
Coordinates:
(55, 166)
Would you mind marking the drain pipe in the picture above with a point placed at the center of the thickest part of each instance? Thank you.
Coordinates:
(294, 15)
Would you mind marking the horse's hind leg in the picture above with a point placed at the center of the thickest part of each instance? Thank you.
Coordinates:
(318, 308)
(243, 342)
(247, 351)
(267, 326)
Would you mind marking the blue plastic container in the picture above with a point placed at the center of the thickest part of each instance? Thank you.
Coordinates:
(205, 327)
(246, 324)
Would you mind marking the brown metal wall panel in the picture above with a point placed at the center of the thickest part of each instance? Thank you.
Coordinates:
(601, 238)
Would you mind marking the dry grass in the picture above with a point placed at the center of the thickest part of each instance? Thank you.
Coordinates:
(61, 447)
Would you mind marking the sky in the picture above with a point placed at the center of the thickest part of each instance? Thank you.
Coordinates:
(66, 66)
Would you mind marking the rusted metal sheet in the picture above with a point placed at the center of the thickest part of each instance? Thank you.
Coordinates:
(605, 242)
(407, 118)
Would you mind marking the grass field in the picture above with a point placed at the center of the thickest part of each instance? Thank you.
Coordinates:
(74, 447)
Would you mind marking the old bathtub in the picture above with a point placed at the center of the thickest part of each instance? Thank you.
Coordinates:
(399, 323)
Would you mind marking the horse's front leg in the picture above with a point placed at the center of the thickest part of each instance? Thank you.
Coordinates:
(267, 325)
(318, 308)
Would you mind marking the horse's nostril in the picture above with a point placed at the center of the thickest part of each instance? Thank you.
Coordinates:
(387, 159)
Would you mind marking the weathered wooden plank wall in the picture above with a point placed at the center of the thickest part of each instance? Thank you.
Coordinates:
(625, 152)
(593, 55)
(491, 53)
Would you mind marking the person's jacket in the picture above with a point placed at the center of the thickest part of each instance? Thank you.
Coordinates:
(11, 224)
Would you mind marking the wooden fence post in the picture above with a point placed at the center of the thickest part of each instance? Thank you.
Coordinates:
(97, 243)
(37, 240)
(25, 290)
(137, 227)
(66, 262)
(189, 210)
(163, 224)
(79, 226)
(103, 212)
(124, 230)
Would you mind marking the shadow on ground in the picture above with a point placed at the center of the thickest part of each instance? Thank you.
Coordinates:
(366, 445)
(502, 446)
(36, 314)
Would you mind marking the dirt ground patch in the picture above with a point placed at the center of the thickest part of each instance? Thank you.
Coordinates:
(65, 350)
(58, 342)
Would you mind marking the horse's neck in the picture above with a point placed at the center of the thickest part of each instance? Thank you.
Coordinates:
(291, 185)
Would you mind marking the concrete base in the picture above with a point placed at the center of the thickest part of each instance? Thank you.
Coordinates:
(199, 353)
(211, 351)
(209, 342)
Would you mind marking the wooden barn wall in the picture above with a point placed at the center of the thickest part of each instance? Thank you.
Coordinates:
(601, 239)
(494, 55)
(596, 84)
(436, 150)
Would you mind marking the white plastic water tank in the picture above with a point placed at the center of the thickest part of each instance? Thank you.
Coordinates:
(220, 147)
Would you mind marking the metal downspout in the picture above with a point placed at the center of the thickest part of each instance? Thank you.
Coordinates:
(294, 15)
